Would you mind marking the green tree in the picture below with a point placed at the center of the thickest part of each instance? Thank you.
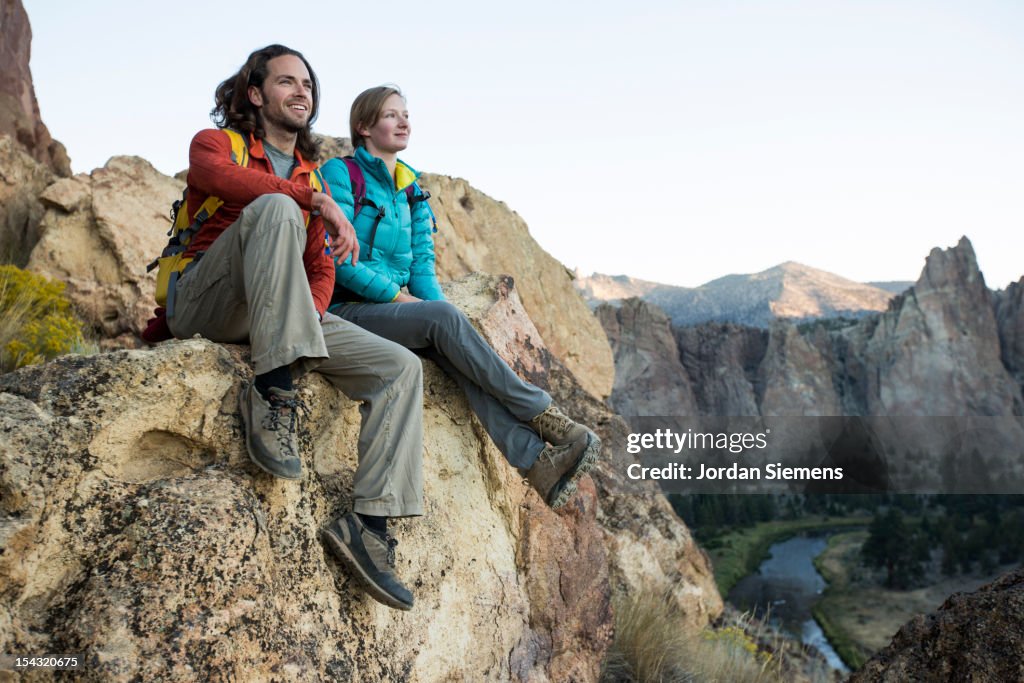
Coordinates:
(893, 545)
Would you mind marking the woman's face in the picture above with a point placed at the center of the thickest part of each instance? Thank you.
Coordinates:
(390, 134)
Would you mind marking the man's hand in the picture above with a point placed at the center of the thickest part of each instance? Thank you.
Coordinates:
(343, 235)
(404, 298)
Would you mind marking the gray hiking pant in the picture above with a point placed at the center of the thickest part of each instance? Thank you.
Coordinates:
(250, 286)
(440, 332)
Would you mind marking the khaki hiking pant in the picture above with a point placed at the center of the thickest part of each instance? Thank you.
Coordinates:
(250, 286)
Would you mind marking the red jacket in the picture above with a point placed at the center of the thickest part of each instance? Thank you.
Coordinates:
(212, 172)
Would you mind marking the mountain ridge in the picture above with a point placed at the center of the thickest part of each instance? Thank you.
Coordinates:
(790, 290)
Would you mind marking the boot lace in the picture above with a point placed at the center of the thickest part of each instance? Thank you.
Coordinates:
(552, 421)
(284, 412)
(392, 542)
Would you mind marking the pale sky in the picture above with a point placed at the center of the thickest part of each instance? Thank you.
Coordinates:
(671, 141)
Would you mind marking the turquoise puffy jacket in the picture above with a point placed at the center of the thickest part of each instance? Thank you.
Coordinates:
(397, 250)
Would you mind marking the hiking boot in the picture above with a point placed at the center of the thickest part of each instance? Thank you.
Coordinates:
(369, 557)
(270, 430)
(554, 427)
(558, 469)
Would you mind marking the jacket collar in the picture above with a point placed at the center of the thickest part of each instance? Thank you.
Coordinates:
(405, 174)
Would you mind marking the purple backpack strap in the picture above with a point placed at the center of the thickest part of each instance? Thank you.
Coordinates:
(358, 181)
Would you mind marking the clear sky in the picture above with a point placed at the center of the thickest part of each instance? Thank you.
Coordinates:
(672, 141)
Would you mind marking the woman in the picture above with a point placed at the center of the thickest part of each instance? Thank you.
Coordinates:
(395, 230)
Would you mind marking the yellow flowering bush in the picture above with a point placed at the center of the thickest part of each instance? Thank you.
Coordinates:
(36, 319)
(734, 637)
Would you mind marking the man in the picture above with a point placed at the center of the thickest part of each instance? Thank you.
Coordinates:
(261, 274)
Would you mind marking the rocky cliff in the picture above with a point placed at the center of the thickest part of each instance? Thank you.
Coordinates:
(947, 346)
(134, 530)
(649, 379)
(19, 109)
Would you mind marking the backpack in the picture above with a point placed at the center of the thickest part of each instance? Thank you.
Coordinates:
(413, 193)
(185, 223)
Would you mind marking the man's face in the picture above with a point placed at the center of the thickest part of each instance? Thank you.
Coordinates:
(286, 98)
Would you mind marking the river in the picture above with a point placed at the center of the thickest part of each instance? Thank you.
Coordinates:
(785, 587)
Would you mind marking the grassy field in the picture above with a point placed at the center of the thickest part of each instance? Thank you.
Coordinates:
(858, 615)
(736, 554)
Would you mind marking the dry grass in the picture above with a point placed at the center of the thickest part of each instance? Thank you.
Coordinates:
(652, 646)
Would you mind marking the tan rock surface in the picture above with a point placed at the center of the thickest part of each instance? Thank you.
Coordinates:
(481, 234)
(22, 179)
(135, 530)
(98, 234)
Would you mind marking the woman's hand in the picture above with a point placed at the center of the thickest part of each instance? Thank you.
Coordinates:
(343, 235)
(404, 298)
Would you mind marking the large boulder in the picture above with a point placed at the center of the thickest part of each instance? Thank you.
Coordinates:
(99, 232)
(478, 233)
(135, 530)
(975, 636)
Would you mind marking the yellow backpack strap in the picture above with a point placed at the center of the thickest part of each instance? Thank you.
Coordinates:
(316, 181)
(239, 148)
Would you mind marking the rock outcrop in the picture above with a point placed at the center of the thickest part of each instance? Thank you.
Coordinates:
(937, 350)
(649, 378)
(19, 109)
(1009, 305)
(99, 232)
(975, 636)
(480, 234)
(134, 529)
(946, 346)
(22, 180)
(723, 362)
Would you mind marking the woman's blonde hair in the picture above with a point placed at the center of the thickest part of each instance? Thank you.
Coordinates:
(366, 109)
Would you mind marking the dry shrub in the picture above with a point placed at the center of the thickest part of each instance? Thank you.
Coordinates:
(37, 322)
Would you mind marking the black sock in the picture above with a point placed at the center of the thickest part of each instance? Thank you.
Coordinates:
(278, 377)
(378, 525)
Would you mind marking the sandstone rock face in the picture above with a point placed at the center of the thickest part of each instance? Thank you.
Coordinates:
(134, 529)
(98, 234)
(937, 351)
(796, 377)
(649, 378)
(22, 179)
(972, 637)
(478, 233)
(19, 110)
